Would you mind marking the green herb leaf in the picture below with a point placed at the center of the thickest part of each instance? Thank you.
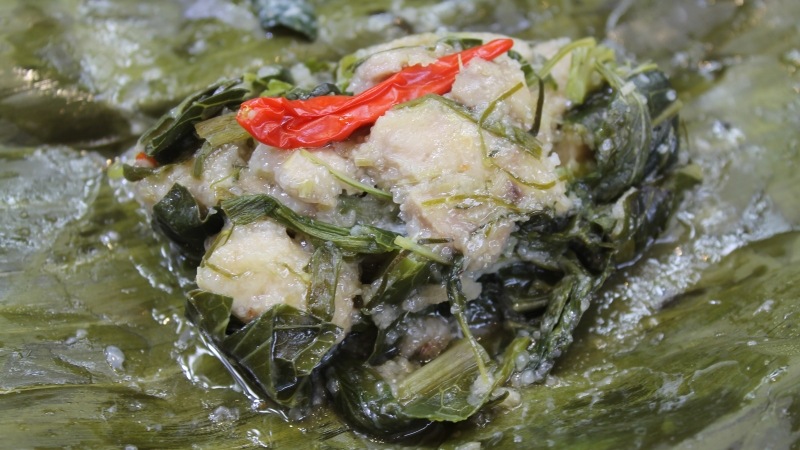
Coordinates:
(220, 130)
(449, 388)
(358, 239)
(274, 354)
(268, 78)
(211, 313)
(366, 401)
(173, 135)
(568, 300)
(403, 274)
(324, 267)
(137, 173)
(512, 133)
(182, 220)
(617, 128)
(295, 15)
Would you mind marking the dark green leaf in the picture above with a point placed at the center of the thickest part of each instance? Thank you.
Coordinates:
(449, 388)
(181, 219)
(273, 355)
(322, 89)
(404, 273)
(295, 15)
(325, 265)
(568, 300)
(366, 400)
(660, 96)
(211, 313)
(137, 173)
(617, 130)
(645, 213)
(173, 135)
(358, 239)
(280, 349)
(387, 341)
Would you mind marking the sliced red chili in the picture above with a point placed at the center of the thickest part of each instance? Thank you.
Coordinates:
(142, 156)
(315, 122)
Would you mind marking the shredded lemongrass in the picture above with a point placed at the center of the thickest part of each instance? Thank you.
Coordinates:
(200, 159)
(344, 178)
(529, 183)
(613, 78)
(642, 68)
(493, 105)
(220, 240)
(408, 244)
(458, 303)
(537, 119)
(303, 276)
(564, 51)
(477, 198)
(510, 133)
(582, 67)
(668, 112)
(221, 130)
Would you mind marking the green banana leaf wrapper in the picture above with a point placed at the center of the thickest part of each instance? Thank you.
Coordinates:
(694, 344)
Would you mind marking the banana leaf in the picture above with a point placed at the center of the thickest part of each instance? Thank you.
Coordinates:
(693, 345)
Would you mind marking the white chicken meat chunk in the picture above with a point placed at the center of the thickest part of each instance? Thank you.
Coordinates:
(259, 265)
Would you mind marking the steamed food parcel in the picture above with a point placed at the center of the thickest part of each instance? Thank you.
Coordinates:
(411, 233)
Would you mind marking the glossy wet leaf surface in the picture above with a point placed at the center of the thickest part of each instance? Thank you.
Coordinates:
(695, 345)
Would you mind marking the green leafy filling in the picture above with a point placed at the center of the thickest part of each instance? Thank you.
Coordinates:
(183, 221)
(295, 15)
(275, 354)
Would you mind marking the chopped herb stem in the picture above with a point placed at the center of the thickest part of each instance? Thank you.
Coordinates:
(221, 130)
(408, 244)
(458, 304)
(478, 198)
(344, 178)
(564, 51)
(510, 133)
(493, 105)
(537, 119)
(668, 112)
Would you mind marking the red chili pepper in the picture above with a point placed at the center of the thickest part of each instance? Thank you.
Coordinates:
(314, 122)
(142, 156)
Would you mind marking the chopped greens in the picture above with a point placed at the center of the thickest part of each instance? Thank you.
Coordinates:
(294, 15)
(276, 353)
(506, 131)
(220, 130)
(346, 179)
(359, 239)
(172, 137)
(182, 220)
